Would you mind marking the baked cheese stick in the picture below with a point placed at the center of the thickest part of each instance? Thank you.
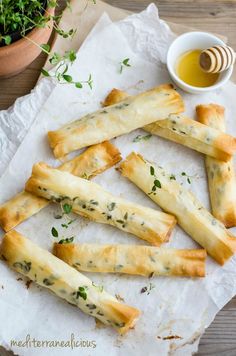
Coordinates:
(173, 198)
(92, 201)
(185, 131)
(221, 176)
(130, 259)
(96, 159)
(105, 124)
(50, 272)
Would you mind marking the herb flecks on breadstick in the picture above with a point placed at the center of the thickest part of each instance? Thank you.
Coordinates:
(132, 259)
(175, 199)
(221, 175)
(92, 201)
(186, 131)
(50, 272)
(95, 160)
(115, 120)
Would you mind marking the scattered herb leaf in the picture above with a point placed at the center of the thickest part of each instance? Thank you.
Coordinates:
(67, 208)
(124, 63)
(142, 138)
(67, 240)
(54, 232)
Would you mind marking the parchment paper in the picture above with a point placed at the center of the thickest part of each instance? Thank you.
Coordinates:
(176, 311)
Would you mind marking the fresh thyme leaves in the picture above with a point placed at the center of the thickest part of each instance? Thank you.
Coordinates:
(156, 182)
(67, 240)
(66, 34)
(54, 232)
(67, 225)
(152, 171)
(7, 39)
(186, 176)
(81, 293)
(142, 138)
(67, 208)
(189, 178)
(62, 63)
(24, 266)
(124, 63)
(147, 289)
(45, 47)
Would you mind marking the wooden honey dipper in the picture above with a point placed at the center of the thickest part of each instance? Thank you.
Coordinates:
(217, 59)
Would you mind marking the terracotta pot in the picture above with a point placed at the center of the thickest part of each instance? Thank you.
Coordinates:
(15, 57)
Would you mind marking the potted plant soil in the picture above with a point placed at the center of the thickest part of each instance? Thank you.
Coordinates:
(24, 26)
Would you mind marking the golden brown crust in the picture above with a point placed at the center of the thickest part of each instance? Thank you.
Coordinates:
(221, 175)
(91, 200)
(50, 272)
(20, 208)
(211, 115)
(188, 132)
(116, 120)
(191, 215)
(95, 160)
(139, 260)
(115, 96)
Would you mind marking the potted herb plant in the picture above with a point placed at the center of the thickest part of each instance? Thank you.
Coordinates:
(24, 26)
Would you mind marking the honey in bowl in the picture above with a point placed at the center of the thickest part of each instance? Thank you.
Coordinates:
(188, 69)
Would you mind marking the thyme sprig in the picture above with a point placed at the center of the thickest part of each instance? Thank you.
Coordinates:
(62, 63)
(187, 176)
(23, 16)
(124, 63)
(66, 209)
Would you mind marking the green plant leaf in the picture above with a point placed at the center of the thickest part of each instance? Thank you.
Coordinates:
(52, 3)
(157, 183)
(78, 85)
(72, 56)
(7, 39)
(54, 232)
(67, 208)
(126, 62)
(67, 78)
(45, 72)
(55, 59)
(152, 171)
(45, 47)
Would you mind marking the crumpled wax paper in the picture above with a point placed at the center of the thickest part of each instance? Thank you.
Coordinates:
(177, 307)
